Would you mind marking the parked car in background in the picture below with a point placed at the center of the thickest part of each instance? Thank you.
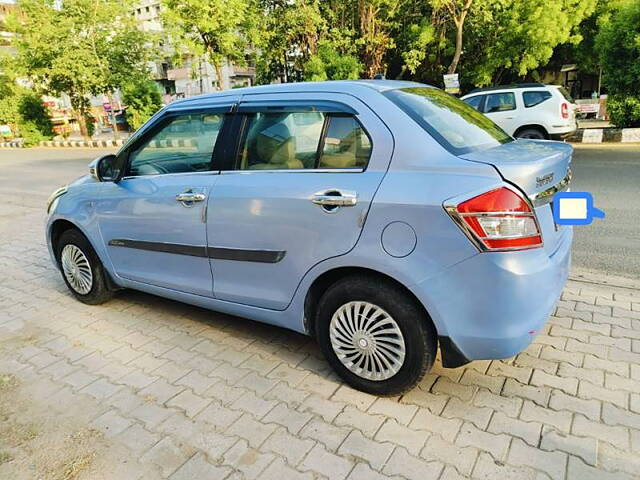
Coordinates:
(384, 218)
(528, 110)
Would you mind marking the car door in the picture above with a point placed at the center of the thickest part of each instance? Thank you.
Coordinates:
(153, 221)
(502, 109)
(297, 192)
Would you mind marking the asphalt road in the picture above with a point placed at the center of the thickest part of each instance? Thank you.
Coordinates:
(611, 173)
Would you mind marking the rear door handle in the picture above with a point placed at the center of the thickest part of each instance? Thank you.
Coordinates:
(332, 198)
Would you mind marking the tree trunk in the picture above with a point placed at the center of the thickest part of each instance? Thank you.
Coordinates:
(458, 21)
(218, 69)
(82, 122)
(458, 52)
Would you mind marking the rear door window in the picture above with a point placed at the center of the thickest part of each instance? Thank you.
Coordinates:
(451, 122)
(500, 102)
(536, 97)
(302, 140)
(346, 144)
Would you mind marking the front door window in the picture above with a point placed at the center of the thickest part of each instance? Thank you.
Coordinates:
(183, 144)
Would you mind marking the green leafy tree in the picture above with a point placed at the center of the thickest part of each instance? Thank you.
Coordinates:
(376, 21)
(455, 12)
(219, 30)
(517, 36)
(79, 48)
(289, 38)
(142, 100)
(329, 64)
(486, 41)
(618, 46)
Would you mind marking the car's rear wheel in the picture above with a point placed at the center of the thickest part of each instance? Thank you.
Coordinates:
(532, 133)
(81, 268)
(375, 335)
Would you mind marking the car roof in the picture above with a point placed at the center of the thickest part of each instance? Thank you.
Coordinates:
(510, 87)
(353, 87)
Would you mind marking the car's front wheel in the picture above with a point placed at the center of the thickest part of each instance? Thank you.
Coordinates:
(81, 268)
(375, 335)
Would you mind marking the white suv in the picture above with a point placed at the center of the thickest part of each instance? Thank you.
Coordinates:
(527, 110)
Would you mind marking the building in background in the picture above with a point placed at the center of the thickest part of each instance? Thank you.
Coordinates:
(194, 76)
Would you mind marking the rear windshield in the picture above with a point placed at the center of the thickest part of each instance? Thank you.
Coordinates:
(454, 124)
(565, 94)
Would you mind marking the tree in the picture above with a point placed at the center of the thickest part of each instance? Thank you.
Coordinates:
(487, 41)
(329, 64)
(79, 48)
(376, 20)
(618, 47)
(142, 100)
(455, 11)
(517, 36)
(289, 37)
(216, 29)
(22, 109)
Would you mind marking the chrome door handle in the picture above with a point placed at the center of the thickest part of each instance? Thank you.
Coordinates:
(190, 197)
(335, 198)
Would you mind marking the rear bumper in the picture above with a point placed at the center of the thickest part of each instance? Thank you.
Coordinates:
(492, 305)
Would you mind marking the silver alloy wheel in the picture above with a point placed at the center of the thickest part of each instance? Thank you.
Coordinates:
(367, 340)
(76, 269)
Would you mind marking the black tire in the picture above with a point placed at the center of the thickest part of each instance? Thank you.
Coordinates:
(417, 330)
(533, 133)
(100, 291)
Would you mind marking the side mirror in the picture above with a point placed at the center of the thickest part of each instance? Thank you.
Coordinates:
(104, 168)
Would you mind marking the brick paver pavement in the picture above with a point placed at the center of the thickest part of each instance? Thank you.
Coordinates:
(183, 393)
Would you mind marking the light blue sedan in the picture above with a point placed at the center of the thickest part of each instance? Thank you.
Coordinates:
(384, 218)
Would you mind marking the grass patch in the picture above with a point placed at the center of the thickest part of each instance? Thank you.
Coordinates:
(73, 467)
(8, 381)
(5, 457)
(73, 456)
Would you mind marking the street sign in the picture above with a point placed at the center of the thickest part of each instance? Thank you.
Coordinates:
(451, 83)
(5, 130)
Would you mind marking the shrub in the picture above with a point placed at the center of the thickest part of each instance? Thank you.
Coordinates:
(624, 111)
(142, 99)
(30, 133)
(32, 110)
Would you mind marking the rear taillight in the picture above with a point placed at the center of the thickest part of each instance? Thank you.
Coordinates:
(498, 220)
(564, 110)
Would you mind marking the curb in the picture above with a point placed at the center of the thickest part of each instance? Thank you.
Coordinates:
(605, 135)
(83, 143)
(68, 143)
(11, 145)
(585, 275)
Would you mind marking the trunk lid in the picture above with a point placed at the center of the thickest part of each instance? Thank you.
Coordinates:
(534, 166)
